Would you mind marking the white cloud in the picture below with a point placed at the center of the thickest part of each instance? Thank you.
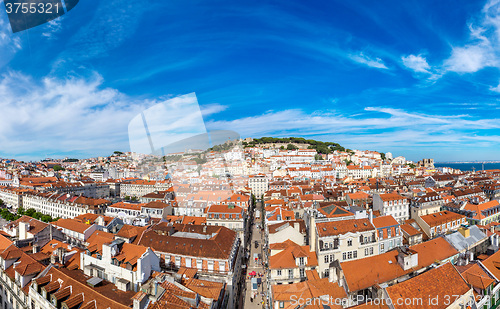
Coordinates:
(53, 27)
(377, 127)
(369, 61)
(58, 116)
(210, 109)
(471, 58)
(495, 89)
(8, 41)
(483, 47)
(416, 63)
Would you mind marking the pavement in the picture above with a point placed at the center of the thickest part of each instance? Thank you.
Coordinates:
(257, 235)
(258, 268)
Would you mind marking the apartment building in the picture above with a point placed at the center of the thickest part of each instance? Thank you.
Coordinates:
(389, 233)
(344, 240)
(17, 270)
(214, 251)
(127, 212)
(139, 188)
(63, 205)
(258, 185)
(62, 288)
(76, 233)
(290, 262)
(91, 189)
(440, 223)
(426, 204)
(126, 265)
(369, 275)
(315, 290)
(13, 197)
(156, 209)
(392, 204)
(230, 216)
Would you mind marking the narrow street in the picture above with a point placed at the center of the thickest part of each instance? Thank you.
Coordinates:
(260, 295)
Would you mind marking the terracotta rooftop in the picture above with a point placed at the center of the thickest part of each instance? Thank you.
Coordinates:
(438, 283)
(343, 227)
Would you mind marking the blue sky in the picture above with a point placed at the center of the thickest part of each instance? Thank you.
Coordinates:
(416, 78)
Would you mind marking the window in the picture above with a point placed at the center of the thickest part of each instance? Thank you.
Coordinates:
(349, 242)
(326, 258)
(282, 304)
(290, 273)
(302, 273)
(326, 273)
(278, 272)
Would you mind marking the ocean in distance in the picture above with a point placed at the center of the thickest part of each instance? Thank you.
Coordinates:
(469, 166)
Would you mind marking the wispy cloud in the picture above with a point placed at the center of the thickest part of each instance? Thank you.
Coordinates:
(7, 40)
(417, 63)
(483, 46)
(54, 115)
(376, 126)
(52, 27)
(113, 22)
(495, 89)
(373, 62)
(210, 109)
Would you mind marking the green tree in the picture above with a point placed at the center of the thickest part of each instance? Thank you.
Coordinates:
(46, 218)
(291, 147)
(30, 212)
(382, 156)
(21, 211)
(58, 168)
(318, 157)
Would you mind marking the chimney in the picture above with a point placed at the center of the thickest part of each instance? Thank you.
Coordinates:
(464, 231)
(312, 231)
(60, 254)
(36, 248)
(370, 215)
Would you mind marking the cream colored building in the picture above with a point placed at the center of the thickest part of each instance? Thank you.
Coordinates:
(344, 240)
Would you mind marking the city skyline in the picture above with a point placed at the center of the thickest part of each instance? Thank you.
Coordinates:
(418, 79)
